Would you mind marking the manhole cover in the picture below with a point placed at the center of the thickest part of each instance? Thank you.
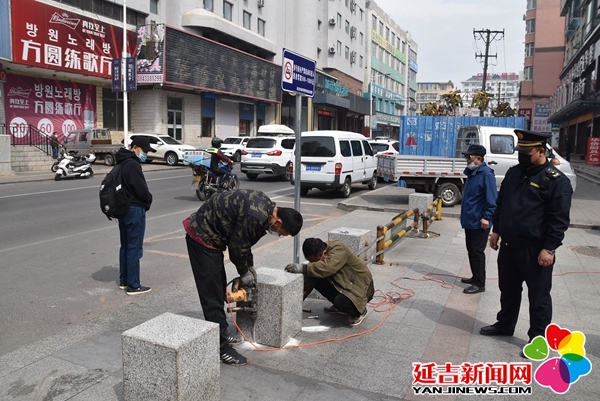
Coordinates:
(587, 250)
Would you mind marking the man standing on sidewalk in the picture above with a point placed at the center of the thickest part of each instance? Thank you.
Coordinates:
(478, 205)
(531, 217)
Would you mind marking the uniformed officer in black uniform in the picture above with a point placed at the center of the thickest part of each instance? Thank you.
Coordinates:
(531, 217)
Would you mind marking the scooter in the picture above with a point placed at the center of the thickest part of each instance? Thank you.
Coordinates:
(205, 183)
(75, 166)
(62, 153)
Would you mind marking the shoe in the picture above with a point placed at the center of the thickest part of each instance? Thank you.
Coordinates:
(122, 286)
(467, 280)
(136, 291)
(234, 340)
(232, 357)
(333, 310)
(474, 289)
(492, 331)
(355, 321)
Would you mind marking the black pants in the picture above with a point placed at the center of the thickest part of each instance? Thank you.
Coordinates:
(219, 174)
(476, 241)
(339, 300)
(211, 280)
(514, 267)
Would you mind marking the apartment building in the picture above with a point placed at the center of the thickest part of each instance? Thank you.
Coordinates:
(544, 55)
(432, 92)
(503, 86)
(575, 105)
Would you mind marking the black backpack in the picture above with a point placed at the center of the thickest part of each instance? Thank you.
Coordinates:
(114, 199)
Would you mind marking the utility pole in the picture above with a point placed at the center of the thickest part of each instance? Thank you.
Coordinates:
(489, 37)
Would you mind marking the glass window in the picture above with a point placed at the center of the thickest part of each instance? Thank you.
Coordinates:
(381, 28)
(154, 6)
(528, 72)
(339, 20)
(347, 26)
(320, 146)
(502, 144)
(261, 143)
(247, 18)
(112, 110)
(368, 150)
(227, 10)
(530, 25)
(374, 22)
(288, 143)
(208, 5)
(531, 4)
(345, 149)
(347, 52)
(356, 148)
(361, 38)
(347, 3)
(360, 61)
(529, 49)
(261, 27)
(339, 47)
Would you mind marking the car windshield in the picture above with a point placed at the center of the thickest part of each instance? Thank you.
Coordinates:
(168, 140)
(317, 146)
(233, 140)
(379, 147)
(261, 143)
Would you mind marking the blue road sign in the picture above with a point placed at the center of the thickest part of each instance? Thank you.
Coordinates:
(116, 75)
(298, 74)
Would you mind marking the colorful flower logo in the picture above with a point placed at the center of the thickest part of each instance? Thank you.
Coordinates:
(560, 372)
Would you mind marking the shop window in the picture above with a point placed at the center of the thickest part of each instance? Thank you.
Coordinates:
(112, 110)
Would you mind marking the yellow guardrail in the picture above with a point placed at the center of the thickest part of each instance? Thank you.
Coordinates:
(427, 217)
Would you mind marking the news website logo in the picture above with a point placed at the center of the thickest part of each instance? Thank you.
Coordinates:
(560, 372)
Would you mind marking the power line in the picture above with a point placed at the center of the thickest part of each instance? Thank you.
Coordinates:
(487, 36)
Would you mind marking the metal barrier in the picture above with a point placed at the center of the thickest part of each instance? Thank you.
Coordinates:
(27, 134)
(395, 237)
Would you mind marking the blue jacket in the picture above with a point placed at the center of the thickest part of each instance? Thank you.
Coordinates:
(479, 197)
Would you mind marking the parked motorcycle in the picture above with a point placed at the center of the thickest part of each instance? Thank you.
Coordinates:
(62, 153)
(205, 182)
(73, 165)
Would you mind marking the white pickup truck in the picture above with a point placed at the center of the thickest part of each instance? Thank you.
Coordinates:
(443, 176)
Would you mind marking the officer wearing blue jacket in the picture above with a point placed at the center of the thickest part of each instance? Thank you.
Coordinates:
(531, 217)
(477, 209)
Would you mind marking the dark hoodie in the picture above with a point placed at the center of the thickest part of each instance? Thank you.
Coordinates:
(133, 179)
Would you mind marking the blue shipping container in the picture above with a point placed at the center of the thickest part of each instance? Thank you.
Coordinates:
(436, 135)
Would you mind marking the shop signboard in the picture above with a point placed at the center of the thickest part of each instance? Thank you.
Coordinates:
(593, 151)
(525, 113)
(541, 124)
(150, 53)
(48, 105)
(61, 40)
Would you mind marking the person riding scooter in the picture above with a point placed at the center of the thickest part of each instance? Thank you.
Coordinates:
(216, 156)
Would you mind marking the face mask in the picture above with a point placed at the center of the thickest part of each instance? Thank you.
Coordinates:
(275, 233)
(472, 166)
(142, 156)
(525, 160)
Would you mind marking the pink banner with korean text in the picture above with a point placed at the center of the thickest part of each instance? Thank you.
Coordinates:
(49, 37)
(48, 105)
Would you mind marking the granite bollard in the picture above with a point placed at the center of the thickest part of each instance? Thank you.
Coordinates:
(279, 308)
(171, 358)
(421, 201)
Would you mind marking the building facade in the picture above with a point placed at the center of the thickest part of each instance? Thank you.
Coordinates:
(544, 56)
(503, 86)
(432, 92)
(204, 68)
(575, 105)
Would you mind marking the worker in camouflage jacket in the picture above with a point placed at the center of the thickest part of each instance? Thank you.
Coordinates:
(236, 220)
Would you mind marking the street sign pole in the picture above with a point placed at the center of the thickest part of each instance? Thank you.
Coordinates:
(298, 76)
(124, 74)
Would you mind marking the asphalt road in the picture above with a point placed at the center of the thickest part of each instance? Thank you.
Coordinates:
(59, 253)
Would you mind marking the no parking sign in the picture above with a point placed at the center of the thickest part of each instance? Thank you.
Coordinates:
(298, 74)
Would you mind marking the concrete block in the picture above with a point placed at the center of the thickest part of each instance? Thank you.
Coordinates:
(279, 308)
(421, 201)
(171, 357)
(355, 239)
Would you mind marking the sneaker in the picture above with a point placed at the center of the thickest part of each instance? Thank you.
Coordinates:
(333, 310)
(232, 357)
(136, 291)
(355, 321)
(234, 340)
(122, 286)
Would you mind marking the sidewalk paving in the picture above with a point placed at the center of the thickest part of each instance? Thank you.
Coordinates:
(438, 324)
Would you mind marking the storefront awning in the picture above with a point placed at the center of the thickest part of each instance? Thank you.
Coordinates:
(574, 110)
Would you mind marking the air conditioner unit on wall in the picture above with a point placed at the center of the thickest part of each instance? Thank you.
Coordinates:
(332, 21)
(353, 32)
(352, 5)
(332, 49)
(261, 3)
(353, 57)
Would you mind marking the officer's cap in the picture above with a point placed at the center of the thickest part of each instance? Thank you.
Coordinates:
(530, 139)
(474, 150)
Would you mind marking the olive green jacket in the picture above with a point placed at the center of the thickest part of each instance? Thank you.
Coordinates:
(348, 274)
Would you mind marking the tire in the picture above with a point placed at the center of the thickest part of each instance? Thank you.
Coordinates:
(57, 177)
(237, 157)
(54, 167)
(346, 188)
(234, 183)
(449, 193)
(171, 159)
(202, 193)
(373, 183)
(304, 191)
(109, 159)
(286, 176)
(91, 173)
(252, 177)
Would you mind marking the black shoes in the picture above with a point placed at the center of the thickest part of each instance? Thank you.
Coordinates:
(355, 321)
(474, 289)
(234, 340)
(122, 286)
(232, 357)
(136, 291)
(467, 280)
(492, 331)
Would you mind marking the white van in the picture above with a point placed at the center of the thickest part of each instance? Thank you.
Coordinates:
(274, 130)
(335, 160)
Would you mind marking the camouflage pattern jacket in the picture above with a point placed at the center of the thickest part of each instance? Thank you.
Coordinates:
(235, 219)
